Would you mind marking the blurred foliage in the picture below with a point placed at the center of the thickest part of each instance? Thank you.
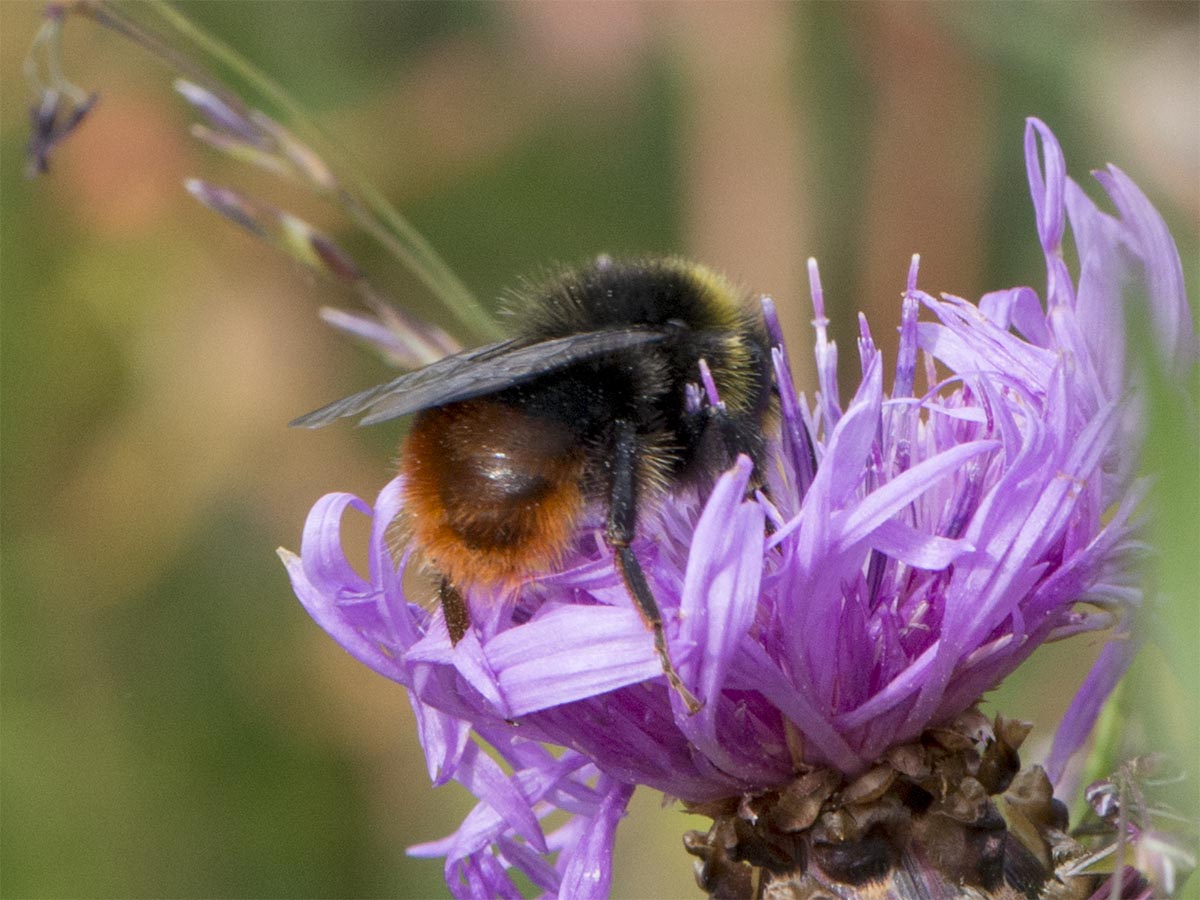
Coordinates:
(173, 725)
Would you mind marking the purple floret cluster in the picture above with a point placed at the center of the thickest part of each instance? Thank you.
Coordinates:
(909, 549)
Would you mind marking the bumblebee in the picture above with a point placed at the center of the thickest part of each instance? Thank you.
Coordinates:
(588, 406)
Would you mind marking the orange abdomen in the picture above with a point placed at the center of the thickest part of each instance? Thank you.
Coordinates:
(491, 493)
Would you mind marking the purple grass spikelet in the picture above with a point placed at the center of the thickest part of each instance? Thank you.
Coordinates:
(59, 107)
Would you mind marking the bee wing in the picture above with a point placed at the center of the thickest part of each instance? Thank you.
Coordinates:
(425, 376)
(474, 373)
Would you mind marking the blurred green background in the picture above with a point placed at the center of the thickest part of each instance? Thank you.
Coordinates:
(173, 724)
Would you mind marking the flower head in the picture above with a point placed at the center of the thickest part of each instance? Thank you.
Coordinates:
(909, 550)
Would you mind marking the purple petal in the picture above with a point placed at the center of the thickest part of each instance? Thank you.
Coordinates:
(1045, 190)
(755, 670)
(545, 663)
(721, 586)
(589, 868)
(1076, 726)
(1102, 283)
(1047, 193)
(333, 619)
(1167, 303)
(1018, 308)
(443, 738)
(500, 798)
(906, 353)
(859, 522)
(826, 351)
(533, 865)
(915, 548)
(472, 662)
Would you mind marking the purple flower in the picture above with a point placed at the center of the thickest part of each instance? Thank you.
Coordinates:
(909, 551)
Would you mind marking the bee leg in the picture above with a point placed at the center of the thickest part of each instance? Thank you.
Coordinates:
(454, 608)
(622, 517)
(736, 439)
(724, 437)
